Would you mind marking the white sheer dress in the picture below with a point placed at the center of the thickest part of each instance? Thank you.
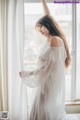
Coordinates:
(49, 78)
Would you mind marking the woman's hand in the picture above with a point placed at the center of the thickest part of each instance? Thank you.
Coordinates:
(20, 74)
(31, 73)
(25, 73)
(43, 0)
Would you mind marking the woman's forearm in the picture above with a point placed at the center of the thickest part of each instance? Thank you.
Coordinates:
(45, 7)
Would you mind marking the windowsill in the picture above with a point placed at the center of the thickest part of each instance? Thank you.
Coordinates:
(71, 103)
(72, 107)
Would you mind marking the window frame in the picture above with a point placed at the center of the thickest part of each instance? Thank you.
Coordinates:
(74, 38)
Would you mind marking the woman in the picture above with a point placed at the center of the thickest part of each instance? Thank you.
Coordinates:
(49, 77)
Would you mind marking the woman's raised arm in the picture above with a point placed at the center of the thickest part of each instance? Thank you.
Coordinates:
(45, 7)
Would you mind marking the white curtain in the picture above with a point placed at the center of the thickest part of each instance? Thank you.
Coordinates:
(13, 92)
(17, 90)
(3, 56)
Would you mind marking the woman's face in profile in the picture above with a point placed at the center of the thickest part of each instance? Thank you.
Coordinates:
(42, 29)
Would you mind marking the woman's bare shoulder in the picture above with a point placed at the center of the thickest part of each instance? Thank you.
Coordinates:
(56, 42)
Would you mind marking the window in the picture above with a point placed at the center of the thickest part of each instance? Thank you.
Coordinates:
(63, 14)
(78, 53)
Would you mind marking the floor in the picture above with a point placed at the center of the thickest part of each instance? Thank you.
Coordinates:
(78, 115)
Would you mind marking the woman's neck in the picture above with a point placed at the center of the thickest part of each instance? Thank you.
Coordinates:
(50, 36)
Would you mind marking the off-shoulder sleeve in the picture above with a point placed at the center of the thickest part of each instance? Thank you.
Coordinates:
(38, 76)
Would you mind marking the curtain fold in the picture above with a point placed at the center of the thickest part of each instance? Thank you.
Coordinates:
(3, 56)
(17, 90)
(13, 93)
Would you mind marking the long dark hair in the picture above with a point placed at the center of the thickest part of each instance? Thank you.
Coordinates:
(48, 23)
(55, 30)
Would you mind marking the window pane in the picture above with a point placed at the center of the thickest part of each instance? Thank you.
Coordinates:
(78, 54)
(63, 15)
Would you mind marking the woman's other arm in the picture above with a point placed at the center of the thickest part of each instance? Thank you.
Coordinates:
(45, 7)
